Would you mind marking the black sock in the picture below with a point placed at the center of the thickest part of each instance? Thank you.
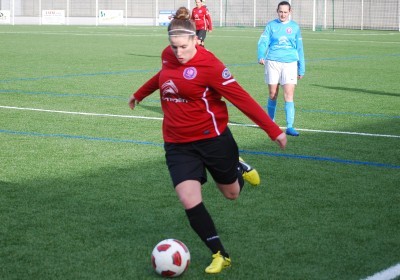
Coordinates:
(202, 223)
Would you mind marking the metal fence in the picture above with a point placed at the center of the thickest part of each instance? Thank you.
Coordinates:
(312, 14)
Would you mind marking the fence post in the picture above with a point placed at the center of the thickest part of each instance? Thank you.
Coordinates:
(67, 12)
(13, 12)
(314, 15)
(126, 12)
(220, 13)
(97, 13)
(254, 12)
(362, 14)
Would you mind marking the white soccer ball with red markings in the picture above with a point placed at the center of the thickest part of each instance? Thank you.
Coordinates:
(170, 258)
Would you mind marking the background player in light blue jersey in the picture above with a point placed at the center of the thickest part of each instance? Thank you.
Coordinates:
(280, 49)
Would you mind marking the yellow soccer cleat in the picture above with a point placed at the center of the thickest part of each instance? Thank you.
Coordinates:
(218, 263)
(249, 173)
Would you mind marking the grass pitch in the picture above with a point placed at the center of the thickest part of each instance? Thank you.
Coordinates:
(85, 193)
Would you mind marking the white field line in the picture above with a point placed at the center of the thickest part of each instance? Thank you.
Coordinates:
(81, 34)
(387, 274)
(161, 34)
(351, 41)
(158, 118)
(79, 113)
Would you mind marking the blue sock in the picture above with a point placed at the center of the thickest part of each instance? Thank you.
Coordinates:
(289, 109)
(271, 107)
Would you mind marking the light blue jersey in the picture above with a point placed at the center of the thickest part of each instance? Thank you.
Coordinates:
(282, 42)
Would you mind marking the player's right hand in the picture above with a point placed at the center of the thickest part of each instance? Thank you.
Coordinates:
(281, 140)
(132, 102)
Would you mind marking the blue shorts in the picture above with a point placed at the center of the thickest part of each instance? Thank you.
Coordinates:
(190, 161)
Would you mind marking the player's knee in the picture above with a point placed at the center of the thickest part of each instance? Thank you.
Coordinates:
(273, 95)
(231, 195)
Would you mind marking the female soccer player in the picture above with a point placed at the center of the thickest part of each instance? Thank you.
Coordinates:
(280, 49)
(202, 18)
(192, 82)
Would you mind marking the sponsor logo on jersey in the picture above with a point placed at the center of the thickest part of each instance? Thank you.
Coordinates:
(226, 74)
(190, 73)
(170, 93)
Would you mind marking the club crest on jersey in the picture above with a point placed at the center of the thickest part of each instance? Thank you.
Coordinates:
(190, 73)
(226, 74)
(289, 30)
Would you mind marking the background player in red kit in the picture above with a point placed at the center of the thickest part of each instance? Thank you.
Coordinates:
(202, 18)
(192, 83)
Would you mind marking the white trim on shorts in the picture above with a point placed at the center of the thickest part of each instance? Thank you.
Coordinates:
(280, 72)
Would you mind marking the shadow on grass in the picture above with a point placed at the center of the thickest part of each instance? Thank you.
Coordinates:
(155, 109)
(144, 55)
(100, 224)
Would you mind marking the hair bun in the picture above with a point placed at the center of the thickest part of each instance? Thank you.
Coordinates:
(182, 13)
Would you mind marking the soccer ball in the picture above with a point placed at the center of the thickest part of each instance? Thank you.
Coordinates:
(170, 258)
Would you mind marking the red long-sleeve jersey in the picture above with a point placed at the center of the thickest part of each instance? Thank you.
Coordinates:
(202, 18)
(191, 98)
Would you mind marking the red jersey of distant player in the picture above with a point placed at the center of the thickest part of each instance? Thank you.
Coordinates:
(202, 18)
(191, 98)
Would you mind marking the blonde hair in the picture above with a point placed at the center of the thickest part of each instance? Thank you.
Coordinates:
(181, 24)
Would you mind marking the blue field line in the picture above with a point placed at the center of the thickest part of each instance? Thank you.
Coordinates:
(57, 94)
(329, 159)
(291, 156)
(322, 59)
(125, 72)
(80, 137)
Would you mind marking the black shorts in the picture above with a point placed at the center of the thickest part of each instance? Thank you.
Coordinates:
(189, 161)
(201, 34)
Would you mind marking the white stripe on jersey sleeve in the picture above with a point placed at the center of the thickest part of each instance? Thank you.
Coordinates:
(228, 82)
